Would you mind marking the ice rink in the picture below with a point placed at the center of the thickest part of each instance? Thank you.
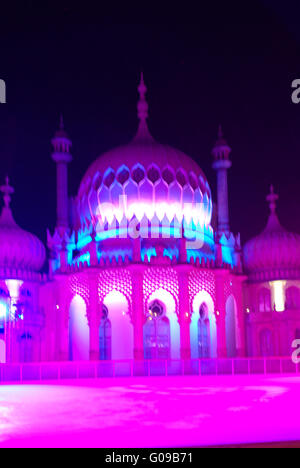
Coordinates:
(151, 412)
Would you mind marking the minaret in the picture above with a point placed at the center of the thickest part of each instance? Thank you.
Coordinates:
(61, 156)
(221, 164)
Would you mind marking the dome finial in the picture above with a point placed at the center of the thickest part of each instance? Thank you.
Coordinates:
(7, 190)
(61, 122)
(220, 132)
(142, 106)
(272, 198)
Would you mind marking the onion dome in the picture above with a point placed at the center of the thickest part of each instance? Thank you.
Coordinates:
(19, 249)
(144, 178)
(275, 253)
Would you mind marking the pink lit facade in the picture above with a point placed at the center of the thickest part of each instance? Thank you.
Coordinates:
(138, 270)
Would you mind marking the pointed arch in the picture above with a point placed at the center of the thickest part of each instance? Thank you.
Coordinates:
(264, 300)
(231, 326)
(105, 335)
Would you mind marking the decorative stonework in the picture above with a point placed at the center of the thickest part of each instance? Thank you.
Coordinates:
(118, 280)
(201, 280)
(165, 278)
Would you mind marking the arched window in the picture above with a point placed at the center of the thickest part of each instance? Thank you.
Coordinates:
(292, 298)
(105, 335)
(25, 292)
(3, 292)
(266, 343)
(203, 332)
(157, 333)
(231, 327)
(264, 300)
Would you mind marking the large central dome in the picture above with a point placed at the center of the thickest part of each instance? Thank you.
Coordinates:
(144, 178)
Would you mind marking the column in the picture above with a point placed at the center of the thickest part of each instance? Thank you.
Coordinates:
(62, 194)
(223, 210)
(220, 312)
(241, 319)
(184, 312)
(138, 315)
(62, 157)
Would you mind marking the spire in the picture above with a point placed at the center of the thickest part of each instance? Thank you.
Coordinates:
(61, 122)
(142, 111)
(61, 144)
(7, 190)
(6, 214)
(221, 149)
(142, 106)
(272, 199)
(61, 132)
(273, 221)
(220, 132)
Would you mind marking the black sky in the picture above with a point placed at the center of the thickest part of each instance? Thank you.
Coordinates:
(223, 62)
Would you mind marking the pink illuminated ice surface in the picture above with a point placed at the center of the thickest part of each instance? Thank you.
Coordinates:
(150, 412)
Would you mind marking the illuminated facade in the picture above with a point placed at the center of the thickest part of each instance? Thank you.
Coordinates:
(137, 268)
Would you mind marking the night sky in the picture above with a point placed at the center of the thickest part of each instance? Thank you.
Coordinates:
(230, 64)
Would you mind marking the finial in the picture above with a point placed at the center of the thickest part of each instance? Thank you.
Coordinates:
(7, 190)
(142, 106)
(220, 137)
(61, 122)
(220, 132)
(61, 143)
(221, 149)
(272, 198)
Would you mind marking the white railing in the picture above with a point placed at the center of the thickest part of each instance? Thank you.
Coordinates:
(42, 371)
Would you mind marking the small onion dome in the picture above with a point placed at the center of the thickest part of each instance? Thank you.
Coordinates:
(19, 249)
(275, 253)
(150, 179)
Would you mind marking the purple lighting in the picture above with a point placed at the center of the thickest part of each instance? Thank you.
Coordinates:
(144, 274)
(137, 412)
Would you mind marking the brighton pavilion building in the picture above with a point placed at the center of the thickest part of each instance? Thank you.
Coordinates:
(137, 269)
